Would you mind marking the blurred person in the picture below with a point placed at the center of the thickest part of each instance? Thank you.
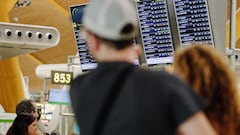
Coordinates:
(208, 72)
(29, 106)
(24, 124)
(118, 98)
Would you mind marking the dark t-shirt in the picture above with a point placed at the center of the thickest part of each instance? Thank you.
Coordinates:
(149, 102)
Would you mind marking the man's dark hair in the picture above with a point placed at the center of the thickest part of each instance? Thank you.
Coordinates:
(20, 124)
(55, 132)
(115, 44)
(118, 44)
(25, 106)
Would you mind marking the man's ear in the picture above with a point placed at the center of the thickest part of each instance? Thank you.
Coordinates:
(32, 112)
(138, 50)
(94, 42)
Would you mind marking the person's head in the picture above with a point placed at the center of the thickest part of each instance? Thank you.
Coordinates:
(208, 72)
(110, 22)
(27, 106)
(24, 124)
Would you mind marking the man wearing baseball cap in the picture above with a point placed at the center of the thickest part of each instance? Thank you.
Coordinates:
(118, 98)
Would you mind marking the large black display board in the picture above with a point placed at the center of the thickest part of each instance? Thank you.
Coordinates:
(193, 22)
(86, 60)
(155, 31)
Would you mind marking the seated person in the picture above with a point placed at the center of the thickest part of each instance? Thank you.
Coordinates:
(29, 106)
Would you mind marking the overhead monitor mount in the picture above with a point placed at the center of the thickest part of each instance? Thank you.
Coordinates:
(18, 39)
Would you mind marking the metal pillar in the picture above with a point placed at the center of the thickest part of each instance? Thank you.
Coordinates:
(233, 5)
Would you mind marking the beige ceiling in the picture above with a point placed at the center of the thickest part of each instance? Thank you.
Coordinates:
(48, 13)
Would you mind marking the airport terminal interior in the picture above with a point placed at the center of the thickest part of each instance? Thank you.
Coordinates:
(41, 48)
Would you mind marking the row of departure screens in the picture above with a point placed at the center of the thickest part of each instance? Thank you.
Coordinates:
(190, 17)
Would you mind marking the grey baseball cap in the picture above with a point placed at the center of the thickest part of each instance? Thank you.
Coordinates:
(111, 19)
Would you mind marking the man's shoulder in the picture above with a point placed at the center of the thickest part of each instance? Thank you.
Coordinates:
(76, 83)
(157, 75)
(79, 78)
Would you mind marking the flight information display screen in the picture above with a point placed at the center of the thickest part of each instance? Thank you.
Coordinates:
(155, 31)
(86, 59)
(193, 22)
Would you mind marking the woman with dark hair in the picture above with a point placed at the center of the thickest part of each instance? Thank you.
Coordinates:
(24, 124)
(29, 106)
(208, 72)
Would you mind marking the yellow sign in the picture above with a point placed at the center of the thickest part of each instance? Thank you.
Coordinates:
(61, 77)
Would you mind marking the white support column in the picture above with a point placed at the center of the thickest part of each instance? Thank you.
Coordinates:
(232, 43)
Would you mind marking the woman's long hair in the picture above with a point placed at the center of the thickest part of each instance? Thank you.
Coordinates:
(21, 123)
(208, 72)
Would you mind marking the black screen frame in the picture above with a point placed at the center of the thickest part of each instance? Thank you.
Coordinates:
(76, 13)
(162, 60)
